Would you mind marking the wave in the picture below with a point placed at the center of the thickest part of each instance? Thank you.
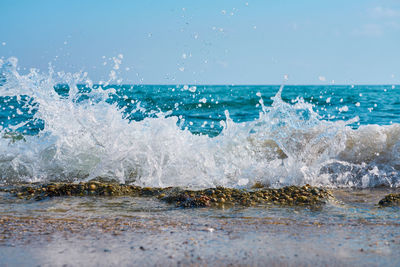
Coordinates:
(88, 137)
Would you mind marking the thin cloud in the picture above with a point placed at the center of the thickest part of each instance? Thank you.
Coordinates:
(384, 12)
(383, 20)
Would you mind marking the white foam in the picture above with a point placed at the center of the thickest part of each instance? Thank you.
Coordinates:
(288, 144)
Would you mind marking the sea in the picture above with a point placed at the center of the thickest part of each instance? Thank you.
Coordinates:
(63, 127)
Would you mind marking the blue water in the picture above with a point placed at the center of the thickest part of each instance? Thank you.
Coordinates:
(205, 107)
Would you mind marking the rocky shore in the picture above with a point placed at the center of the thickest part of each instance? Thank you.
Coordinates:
(212, 197)
(101, 223)
(290, 195)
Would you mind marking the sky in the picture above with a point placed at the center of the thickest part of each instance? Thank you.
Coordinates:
(207, 42)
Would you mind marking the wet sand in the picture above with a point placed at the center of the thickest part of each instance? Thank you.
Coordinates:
(125, 231)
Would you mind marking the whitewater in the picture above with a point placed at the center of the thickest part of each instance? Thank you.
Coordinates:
(58, 126)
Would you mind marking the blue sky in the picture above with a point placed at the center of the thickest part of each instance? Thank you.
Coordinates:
(208, 42)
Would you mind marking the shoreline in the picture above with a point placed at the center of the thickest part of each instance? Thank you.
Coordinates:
(196, 241)
(305, 195)
(91, 230)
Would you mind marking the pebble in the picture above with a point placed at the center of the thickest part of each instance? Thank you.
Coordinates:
(290, 195)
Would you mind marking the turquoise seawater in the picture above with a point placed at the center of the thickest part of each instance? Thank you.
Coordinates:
(203, 106)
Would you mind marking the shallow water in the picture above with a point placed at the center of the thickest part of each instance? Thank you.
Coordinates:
(121, 230)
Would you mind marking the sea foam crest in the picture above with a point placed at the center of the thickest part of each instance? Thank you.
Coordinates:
(86, 138)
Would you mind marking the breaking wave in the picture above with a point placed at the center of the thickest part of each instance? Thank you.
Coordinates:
(85, 136)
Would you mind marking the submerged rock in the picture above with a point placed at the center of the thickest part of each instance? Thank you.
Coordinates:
(290, 195)
(390, 200)
(41, 191)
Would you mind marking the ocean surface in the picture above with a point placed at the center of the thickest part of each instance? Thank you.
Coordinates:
(58, 126)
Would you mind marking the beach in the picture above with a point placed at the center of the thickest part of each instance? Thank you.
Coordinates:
(92, 231)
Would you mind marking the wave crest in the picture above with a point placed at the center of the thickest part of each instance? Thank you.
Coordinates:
(84, 136)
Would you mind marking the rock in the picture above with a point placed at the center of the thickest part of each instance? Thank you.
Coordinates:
(291, 195)
(390, 200)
